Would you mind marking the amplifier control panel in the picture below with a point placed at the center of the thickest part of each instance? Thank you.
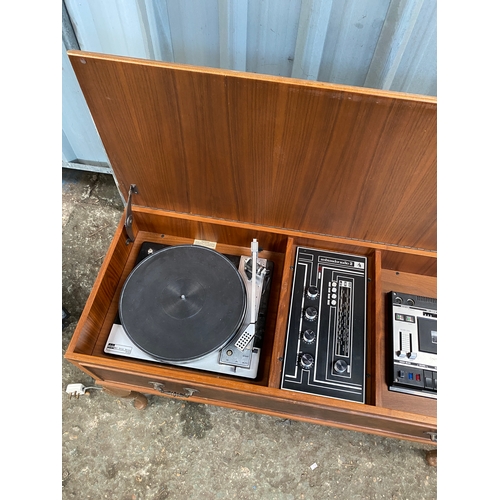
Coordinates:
(326, 335)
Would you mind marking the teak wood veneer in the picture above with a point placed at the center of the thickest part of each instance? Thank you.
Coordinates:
(226, 157)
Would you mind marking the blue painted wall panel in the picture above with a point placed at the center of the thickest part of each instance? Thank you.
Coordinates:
(388, 44)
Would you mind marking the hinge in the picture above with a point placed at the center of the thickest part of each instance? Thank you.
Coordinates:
(129, 217)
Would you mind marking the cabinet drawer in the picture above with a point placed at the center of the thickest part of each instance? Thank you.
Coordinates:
(274, 402)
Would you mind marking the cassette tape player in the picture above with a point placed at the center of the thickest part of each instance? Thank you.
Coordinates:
(414, 344)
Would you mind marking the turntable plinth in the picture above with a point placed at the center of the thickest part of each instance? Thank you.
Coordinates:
(227, 157)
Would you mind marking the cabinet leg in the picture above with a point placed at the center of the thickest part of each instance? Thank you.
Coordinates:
(140, 401)
(432, 458)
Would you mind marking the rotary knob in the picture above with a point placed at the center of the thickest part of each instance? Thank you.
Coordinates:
(308, 336)
(312, 292)
(306, 361)
(311, 314)
(340, 366)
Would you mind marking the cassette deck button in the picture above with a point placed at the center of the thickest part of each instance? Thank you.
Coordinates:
(428, 380)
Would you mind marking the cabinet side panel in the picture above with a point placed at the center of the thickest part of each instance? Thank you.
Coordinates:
(100, 298)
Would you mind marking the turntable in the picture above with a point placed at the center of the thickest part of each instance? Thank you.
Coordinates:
(192, 306)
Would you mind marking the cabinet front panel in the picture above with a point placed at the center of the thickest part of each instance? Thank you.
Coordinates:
(269, 404)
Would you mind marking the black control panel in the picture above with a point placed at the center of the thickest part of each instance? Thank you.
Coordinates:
(413, 367)
(326, 336)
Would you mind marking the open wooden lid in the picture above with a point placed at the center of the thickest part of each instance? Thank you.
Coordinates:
(294, 154)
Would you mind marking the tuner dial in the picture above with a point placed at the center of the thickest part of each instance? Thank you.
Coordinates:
(309, 336)
(312, 292)
(311, 313)
(340, 366)
(306, 361)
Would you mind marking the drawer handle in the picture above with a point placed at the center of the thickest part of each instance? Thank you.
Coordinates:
(432, 435)
(157, 386)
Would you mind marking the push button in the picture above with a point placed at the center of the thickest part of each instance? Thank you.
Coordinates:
(428, 382)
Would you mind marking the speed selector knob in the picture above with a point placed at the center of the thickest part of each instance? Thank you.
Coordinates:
(312, 292)
(306, 361)
(311, 313)
(340, 366)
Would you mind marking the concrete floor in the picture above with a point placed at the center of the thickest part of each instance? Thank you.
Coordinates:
(180, 450)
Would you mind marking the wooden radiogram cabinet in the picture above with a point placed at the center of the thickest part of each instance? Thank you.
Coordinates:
(226, 157)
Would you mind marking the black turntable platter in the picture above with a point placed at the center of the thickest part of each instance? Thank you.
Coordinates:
(182, 303)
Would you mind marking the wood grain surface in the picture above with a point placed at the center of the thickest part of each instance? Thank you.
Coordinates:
(279, 152)
(227, 156)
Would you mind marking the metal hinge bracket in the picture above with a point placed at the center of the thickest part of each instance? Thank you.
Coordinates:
(129, 217)
(433, 436)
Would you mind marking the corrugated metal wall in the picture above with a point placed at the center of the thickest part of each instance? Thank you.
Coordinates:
(385, 44)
